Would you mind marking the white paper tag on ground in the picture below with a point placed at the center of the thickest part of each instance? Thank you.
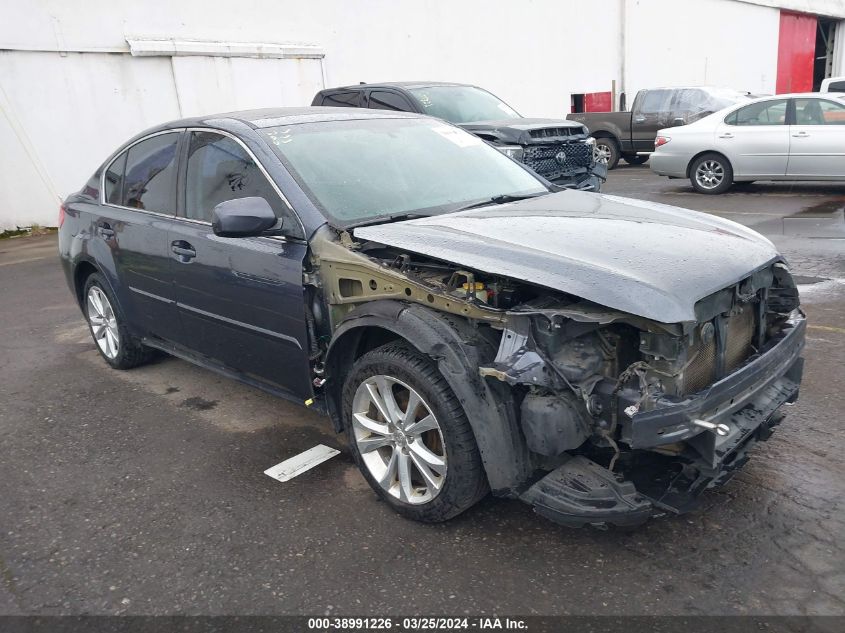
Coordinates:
(298, 464)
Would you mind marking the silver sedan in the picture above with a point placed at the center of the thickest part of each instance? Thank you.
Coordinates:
(785, 137)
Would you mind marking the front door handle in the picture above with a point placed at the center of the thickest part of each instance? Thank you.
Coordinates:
(105, 230)
(639, 119)
(726, 135)
(801, 135)
(184, 251)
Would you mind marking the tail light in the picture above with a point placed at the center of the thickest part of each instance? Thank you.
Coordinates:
(61, 215)
(661, 140)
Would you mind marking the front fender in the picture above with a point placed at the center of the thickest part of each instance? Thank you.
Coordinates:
(458, 349)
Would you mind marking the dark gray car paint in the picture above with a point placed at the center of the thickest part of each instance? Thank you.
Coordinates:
(647, 259)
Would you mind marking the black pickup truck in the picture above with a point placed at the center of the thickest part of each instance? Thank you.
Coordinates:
(630, 135)
(560, 151)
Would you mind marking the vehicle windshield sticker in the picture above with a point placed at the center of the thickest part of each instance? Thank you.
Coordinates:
(507, 109)
(458, 137)
(280, 136)
(424, 99)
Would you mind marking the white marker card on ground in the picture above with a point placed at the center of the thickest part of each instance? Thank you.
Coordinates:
(298, 464)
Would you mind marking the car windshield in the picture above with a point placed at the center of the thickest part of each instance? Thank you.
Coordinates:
(364, 170)
(462, 104)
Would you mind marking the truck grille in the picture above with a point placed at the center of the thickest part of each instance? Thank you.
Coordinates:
(548, 132)
(701, 372)
(542, 158)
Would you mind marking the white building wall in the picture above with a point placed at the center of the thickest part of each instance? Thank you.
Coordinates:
(70, 91)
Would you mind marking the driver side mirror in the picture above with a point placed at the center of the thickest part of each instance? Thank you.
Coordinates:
(243, 217)
(678, 121)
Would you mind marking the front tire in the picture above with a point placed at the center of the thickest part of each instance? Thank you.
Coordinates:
(108, 327)
(711, 174)
(410, 436)
(606, 150)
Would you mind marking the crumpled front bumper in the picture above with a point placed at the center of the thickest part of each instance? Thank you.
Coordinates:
(741, 401)
(581, 492)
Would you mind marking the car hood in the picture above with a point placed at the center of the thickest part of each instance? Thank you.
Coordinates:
(651, 260)
(519, 130)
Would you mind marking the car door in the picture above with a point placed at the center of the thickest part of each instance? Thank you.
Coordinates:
(139, 203)
(755, 138)
(817, 139)
(649, 114)
(240, 300)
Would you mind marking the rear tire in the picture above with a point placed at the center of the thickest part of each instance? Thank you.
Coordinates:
(606, 151)
(107, 324)
(635, 159)
(711, 173)
(431, 474)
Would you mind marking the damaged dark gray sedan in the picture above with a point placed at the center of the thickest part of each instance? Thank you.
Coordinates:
(470, 327)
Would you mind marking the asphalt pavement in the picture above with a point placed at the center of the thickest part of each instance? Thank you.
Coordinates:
(142, 492)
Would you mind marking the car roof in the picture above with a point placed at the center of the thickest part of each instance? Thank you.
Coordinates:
(798, 95)
(399, 84)
(269, 117)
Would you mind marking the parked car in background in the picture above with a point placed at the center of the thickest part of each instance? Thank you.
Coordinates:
(630, 135)
(560, 151)
(469, 326)
(833, 84)
(785, 137)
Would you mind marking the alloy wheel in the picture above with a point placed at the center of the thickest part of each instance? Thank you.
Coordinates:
(103, 322)
(709, 174)
(601, 153)
(399, 439)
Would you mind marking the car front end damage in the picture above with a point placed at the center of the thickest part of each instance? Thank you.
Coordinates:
(642, 417)
(603, 395)
(562, 152)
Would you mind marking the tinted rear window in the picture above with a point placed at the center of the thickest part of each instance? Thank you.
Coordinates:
(381, 100)
(150, 179)
(348, 99)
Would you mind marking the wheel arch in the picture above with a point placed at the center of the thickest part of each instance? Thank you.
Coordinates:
(702, 153)
(83, 269)
(605, 134)
(458, 350)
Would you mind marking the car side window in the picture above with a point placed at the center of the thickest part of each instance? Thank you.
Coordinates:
(819, 112)
(113, 180)
(220, 169)
(351, 98)
(656, 101)
(149, 182)
(763, 113)
(381, 100)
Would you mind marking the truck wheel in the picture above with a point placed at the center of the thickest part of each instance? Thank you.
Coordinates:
(108, 328)
(711, 173)
(635, 159)
(410, 436)
(606, 150)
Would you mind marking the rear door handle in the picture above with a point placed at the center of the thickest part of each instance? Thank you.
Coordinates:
(801, 135)
(105, 230)
(184, 250)
(726, 135)
(639, 119)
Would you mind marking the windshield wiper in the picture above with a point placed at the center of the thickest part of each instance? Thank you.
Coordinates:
(502, 199)
(389, 218)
